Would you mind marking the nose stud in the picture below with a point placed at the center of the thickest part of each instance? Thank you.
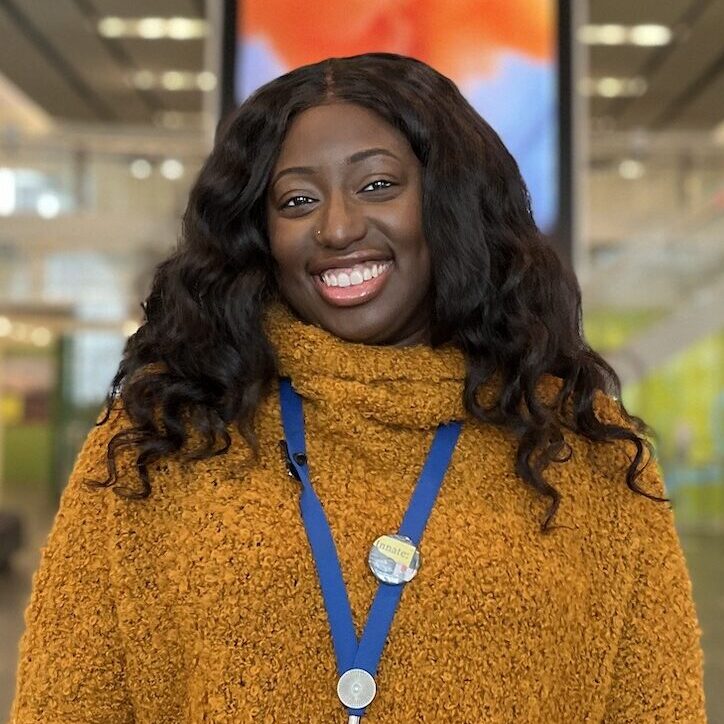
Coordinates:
(319, 232)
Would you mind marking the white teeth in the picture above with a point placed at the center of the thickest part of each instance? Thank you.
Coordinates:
(360, 273)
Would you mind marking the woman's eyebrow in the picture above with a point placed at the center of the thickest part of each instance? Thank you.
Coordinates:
(354, 158)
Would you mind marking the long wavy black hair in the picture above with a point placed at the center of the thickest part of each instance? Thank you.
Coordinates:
(500, 292)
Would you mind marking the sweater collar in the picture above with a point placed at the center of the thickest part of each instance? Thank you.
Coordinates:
(414, 386)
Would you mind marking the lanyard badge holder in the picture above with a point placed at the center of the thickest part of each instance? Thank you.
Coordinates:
(394, 559)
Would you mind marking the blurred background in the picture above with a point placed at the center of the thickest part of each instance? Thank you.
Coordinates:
(614, 110)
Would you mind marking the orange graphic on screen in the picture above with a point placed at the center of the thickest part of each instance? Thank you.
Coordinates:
(458, 38)
(502, 55)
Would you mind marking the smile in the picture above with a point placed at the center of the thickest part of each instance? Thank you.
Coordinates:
(354, 285)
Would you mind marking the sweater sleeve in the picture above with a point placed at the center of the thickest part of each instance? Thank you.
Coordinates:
(657, 674)
(71, 661)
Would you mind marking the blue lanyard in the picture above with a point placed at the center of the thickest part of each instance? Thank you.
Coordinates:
(349, 654)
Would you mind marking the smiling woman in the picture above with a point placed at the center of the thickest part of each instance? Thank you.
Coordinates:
(363, 313)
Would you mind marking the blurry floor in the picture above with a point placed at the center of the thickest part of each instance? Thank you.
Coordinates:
(705, 554)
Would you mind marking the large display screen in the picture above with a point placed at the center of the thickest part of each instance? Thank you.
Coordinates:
(502, 54)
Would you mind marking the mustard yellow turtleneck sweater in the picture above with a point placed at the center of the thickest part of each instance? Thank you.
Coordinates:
(202, 603)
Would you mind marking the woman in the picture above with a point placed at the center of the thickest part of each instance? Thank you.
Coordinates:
(360, 299)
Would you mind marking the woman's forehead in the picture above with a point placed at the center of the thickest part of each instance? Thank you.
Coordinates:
(339, 128)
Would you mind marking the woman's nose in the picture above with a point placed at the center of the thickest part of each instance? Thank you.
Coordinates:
(341, 221)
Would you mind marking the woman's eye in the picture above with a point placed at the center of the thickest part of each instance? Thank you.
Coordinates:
(286, 204)
(379, 181)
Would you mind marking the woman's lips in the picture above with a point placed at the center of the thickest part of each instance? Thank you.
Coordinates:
(354, 294)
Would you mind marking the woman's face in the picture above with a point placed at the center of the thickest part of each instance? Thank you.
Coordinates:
(344, 216)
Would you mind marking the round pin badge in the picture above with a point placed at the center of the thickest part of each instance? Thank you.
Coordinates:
(356, 688)
(394, 559)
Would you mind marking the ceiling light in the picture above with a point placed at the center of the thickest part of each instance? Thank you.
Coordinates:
(112, 27)
(7, 192)
(174, 80)
(151, 28)
(648, 34)
(172, 169)
(631, 169)
(602, 34)
(185, 28)
(41, 336)
(48, 205)
(206, 80)
(143, 79)
(610, 87)
(140, 168)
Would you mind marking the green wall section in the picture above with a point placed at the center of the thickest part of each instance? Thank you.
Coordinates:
(27, 456)
(685, 391)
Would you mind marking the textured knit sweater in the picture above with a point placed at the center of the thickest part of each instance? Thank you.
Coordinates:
(202, 603)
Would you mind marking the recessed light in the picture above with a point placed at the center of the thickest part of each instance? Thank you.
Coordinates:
(7, 192)
(153, 28)
(41, 336)
(172, 169)
(206, 80)
(646, 34)
(48, 205)
(611, 87)
(650, 35)
(631, 169)
(140, 168)
(112, 27)
(143, 79)
(174, 80)
(185, 28)
(602, 34)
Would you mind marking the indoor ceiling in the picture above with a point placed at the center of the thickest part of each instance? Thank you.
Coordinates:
(685, 78)
(53, 52)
